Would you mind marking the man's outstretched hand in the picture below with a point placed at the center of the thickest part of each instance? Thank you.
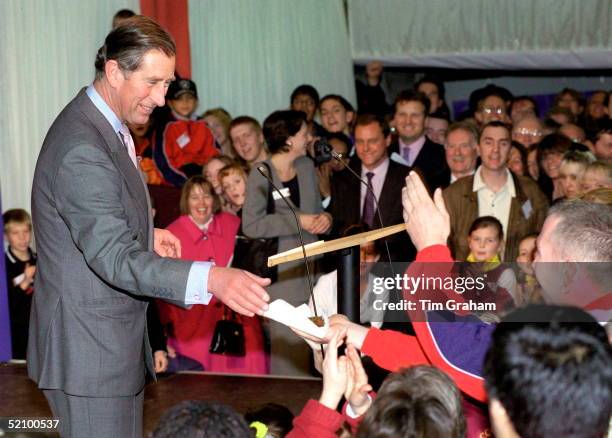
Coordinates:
(240, 290)
(427, 221)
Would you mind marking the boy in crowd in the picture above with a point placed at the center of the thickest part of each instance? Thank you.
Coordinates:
(20, 270)
(182, 144)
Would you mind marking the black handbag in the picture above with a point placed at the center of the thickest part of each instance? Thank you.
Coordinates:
(228, 337)
(252, 254)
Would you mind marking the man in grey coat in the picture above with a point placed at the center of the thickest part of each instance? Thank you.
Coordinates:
(98, 252)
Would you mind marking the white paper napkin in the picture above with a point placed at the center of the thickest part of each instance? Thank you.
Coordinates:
(296, 317)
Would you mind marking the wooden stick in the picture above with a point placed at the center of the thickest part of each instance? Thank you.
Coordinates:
(323, 247)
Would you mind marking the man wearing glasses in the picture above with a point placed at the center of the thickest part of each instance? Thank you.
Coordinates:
(492, 107)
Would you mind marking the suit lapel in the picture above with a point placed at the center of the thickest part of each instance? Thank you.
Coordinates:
(353, 191)
(118, 152)
(385, 202)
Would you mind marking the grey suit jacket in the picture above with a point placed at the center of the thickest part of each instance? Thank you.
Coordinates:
(94, 238)
(281, 224)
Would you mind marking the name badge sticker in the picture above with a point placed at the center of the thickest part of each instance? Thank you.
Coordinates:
(183, 140)
(286, 193)
(527, 209)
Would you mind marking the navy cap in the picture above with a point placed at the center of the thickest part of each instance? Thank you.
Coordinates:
(182, 86)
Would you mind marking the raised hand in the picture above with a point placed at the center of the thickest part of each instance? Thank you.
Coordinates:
(166, 244)
(335, 373)
(427, 221)
(357, 386)
(242, 291)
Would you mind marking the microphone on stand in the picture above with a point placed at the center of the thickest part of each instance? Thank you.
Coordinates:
(262, 169)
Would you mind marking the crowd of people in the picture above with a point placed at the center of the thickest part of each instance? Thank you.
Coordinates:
(500, 174)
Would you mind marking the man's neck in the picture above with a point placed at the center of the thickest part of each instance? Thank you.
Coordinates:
(494, 179)
(409, 140)
(375, 166)
(105, 92)
(462, 174)
(261, 157)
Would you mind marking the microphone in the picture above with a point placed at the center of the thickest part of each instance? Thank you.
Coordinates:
(338, 158)
(262, 169)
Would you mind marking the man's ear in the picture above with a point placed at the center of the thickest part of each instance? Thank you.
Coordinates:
(114, 74)
(502, 426)
(388, 140)
(350, 115)
(478, 116)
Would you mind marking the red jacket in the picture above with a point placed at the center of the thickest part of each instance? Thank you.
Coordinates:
(192, 329)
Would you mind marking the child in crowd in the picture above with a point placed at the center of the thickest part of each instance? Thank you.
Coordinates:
(305, 98)
(20, 271)
(596, 176)
(337, 114)
(232, 180)
(573, 166)
(218, 121)
(270, 421)
(212, 168)
(199, 418)
(486, 243)
(528, 289)
(419, 401)
(182, 145)
(142, 134)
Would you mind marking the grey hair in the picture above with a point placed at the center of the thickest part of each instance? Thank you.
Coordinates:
(468, 127)
(584, 231)
(128, 43)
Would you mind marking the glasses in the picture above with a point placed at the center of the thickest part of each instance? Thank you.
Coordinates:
(528, 132)
(498, 111)
(342, 156)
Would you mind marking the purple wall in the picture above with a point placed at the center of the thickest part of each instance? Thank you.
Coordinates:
(5, 329)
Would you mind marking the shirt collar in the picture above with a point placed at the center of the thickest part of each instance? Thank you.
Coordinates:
(454, 178)
(418, 143)
(479, 183)
(103, 107)
(381, 169)
(194, 231)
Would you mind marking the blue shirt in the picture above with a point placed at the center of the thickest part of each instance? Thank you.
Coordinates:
(197, 282)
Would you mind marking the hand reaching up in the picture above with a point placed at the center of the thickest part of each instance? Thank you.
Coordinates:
(427, 221)
(335, 373)
(357, 387)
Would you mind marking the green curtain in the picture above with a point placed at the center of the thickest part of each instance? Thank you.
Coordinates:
(247, 56)
(48, 50)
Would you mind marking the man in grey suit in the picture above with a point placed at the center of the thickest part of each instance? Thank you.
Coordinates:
(98, 252)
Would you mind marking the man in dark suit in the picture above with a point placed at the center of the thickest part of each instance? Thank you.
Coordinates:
(98, 252)
(413, 148)
(352, 203)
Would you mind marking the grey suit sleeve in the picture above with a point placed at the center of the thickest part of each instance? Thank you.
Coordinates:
(105, 226)
(255, 222)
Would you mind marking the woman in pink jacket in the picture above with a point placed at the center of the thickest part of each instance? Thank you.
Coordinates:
(208, 234)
